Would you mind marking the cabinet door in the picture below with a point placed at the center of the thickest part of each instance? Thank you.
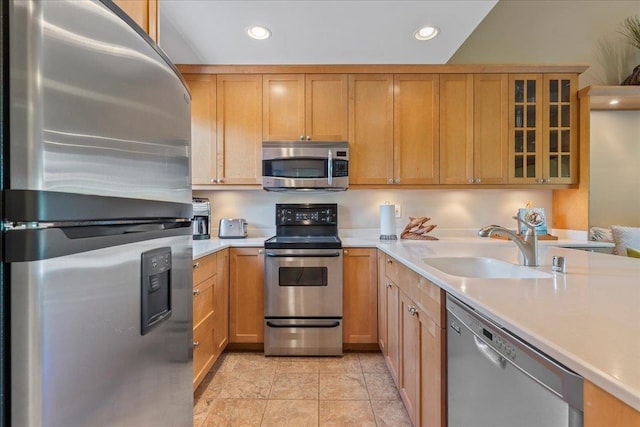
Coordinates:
(246, 299)
(326, 107)
(144, 13)
(221, 297)
(415, 129)
(203, 127)
(560, 118)
(603, 409)
(203, 350)
(283, 107)
(409, 384)
(371, 129)
(382, 304)
(393, 328)
(433, 392)
(239, 117)
(490, 128)
(456, 129)
(360, 324)
(525, 128)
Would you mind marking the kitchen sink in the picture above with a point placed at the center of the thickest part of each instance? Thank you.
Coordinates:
(484, 268)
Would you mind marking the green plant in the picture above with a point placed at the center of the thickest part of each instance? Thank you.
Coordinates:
(631, 30)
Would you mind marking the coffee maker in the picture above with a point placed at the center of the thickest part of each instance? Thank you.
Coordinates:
(201, 222)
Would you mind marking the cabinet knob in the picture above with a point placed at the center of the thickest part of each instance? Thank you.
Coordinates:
(397, 181)
(470, 180)
(212, 180)
(478, 180)
(389, 261)
(547, 180)
(389, 285)
(301, 137)
(260, 251)
(308, 137)
(412, 310)
(196, 292)
(540, 180)
(390, 181)
(196, 266)
(196, 344)
(346, 252)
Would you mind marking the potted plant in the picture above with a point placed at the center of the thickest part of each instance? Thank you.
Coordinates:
(631, 31)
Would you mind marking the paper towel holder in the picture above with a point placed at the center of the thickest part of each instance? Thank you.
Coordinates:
(387, 228)
(388, 237)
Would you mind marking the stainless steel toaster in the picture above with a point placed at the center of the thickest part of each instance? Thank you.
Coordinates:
(232, 228)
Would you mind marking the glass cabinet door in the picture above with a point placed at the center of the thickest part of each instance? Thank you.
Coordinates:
(560, 129)
(525, 128)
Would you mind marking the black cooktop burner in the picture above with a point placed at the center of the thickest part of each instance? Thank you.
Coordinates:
(303, 242)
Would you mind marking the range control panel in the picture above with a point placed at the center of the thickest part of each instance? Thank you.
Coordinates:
(307, 214)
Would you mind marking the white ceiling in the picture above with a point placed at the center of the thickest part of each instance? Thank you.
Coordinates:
(316, 31)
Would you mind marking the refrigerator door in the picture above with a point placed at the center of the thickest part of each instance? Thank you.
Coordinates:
(93, 343)
(95, 107)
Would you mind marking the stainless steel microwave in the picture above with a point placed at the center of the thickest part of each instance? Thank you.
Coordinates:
(305, 166)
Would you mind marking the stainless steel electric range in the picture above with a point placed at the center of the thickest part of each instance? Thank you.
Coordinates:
(303, 282)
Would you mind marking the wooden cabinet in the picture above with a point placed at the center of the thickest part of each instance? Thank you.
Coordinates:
(543, 126)
(416, 149)
(239, 129)
(393, 129)
(370, 128)
(203, 128)
(246, 299)
(144, 13)
(414, 339)
(473, 129)
(360, 296)
(603, 409)
(210, 312)
(305, 107)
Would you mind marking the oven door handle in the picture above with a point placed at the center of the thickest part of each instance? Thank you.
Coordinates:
(334, 324)
(312, 255)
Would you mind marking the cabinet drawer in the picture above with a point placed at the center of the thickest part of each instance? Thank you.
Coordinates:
(203, 301)
(203, 350)
(203, 268)
(391, 268)
(431, 299)
(409, 283)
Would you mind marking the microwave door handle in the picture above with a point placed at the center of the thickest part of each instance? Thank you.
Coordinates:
(329, 170)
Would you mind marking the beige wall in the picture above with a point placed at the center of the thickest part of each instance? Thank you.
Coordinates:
(555, 32)
(614, 192)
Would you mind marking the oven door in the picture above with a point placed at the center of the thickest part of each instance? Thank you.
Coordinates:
(303, 283)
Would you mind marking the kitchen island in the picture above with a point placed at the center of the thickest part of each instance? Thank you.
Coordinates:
(587, 318)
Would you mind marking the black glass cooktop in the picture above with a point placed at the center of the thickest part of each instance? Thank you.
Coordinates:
(303, 242)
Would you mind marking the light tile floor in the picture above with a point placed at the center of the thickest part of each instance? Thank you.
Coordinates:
(249, 389)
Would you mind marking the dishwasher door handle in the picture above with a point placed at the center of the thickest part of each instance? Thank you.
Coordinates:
(493, 356)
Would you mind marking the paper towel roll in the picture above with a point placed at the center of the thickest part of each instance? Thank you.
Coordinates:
(388, 222)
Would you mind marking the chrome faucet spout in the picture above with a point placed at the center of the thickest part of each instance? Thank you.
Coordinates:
(528, 244)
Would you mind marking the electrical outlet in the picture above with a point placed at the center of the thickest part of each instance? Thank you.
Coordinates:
(398, 211)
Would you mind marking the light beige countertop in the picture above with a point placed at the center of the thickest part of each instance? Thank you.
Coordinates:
(588, 319)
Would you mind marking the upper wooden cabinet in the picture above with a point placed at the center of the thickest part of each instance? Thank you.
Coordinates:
(311, 107)
(473, 128)
(144, 13)
(543, 119)
(204, 162)
(416, 148)
(239, 128)
(393, 129)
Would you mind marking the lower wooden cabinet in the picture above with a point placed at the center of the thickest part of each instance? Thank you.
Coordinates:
(246, 299)
(210, 311)
(360, 279)
(413, 340)
(603, 409)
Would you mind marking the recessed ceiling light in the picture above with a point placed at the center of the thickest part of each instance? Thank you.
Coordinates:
(613, 102)
(426, 33)
(259, 33)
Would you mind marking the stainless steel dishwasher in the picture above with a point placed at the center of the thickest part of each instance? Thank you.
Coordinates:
(495, 379)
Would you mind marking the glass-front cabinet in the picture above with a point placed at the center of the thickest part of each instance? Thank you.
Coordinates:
(543, 129)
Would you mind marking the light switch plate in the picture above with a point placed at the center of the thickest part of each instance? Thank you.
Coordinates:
(398, 211)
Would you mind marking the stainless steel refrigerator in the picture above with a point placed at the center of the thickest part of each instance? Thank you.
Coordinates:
(96, 206)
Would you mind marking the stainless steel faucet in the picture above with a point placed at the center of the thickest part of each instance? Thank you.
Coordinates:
(528, 244)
